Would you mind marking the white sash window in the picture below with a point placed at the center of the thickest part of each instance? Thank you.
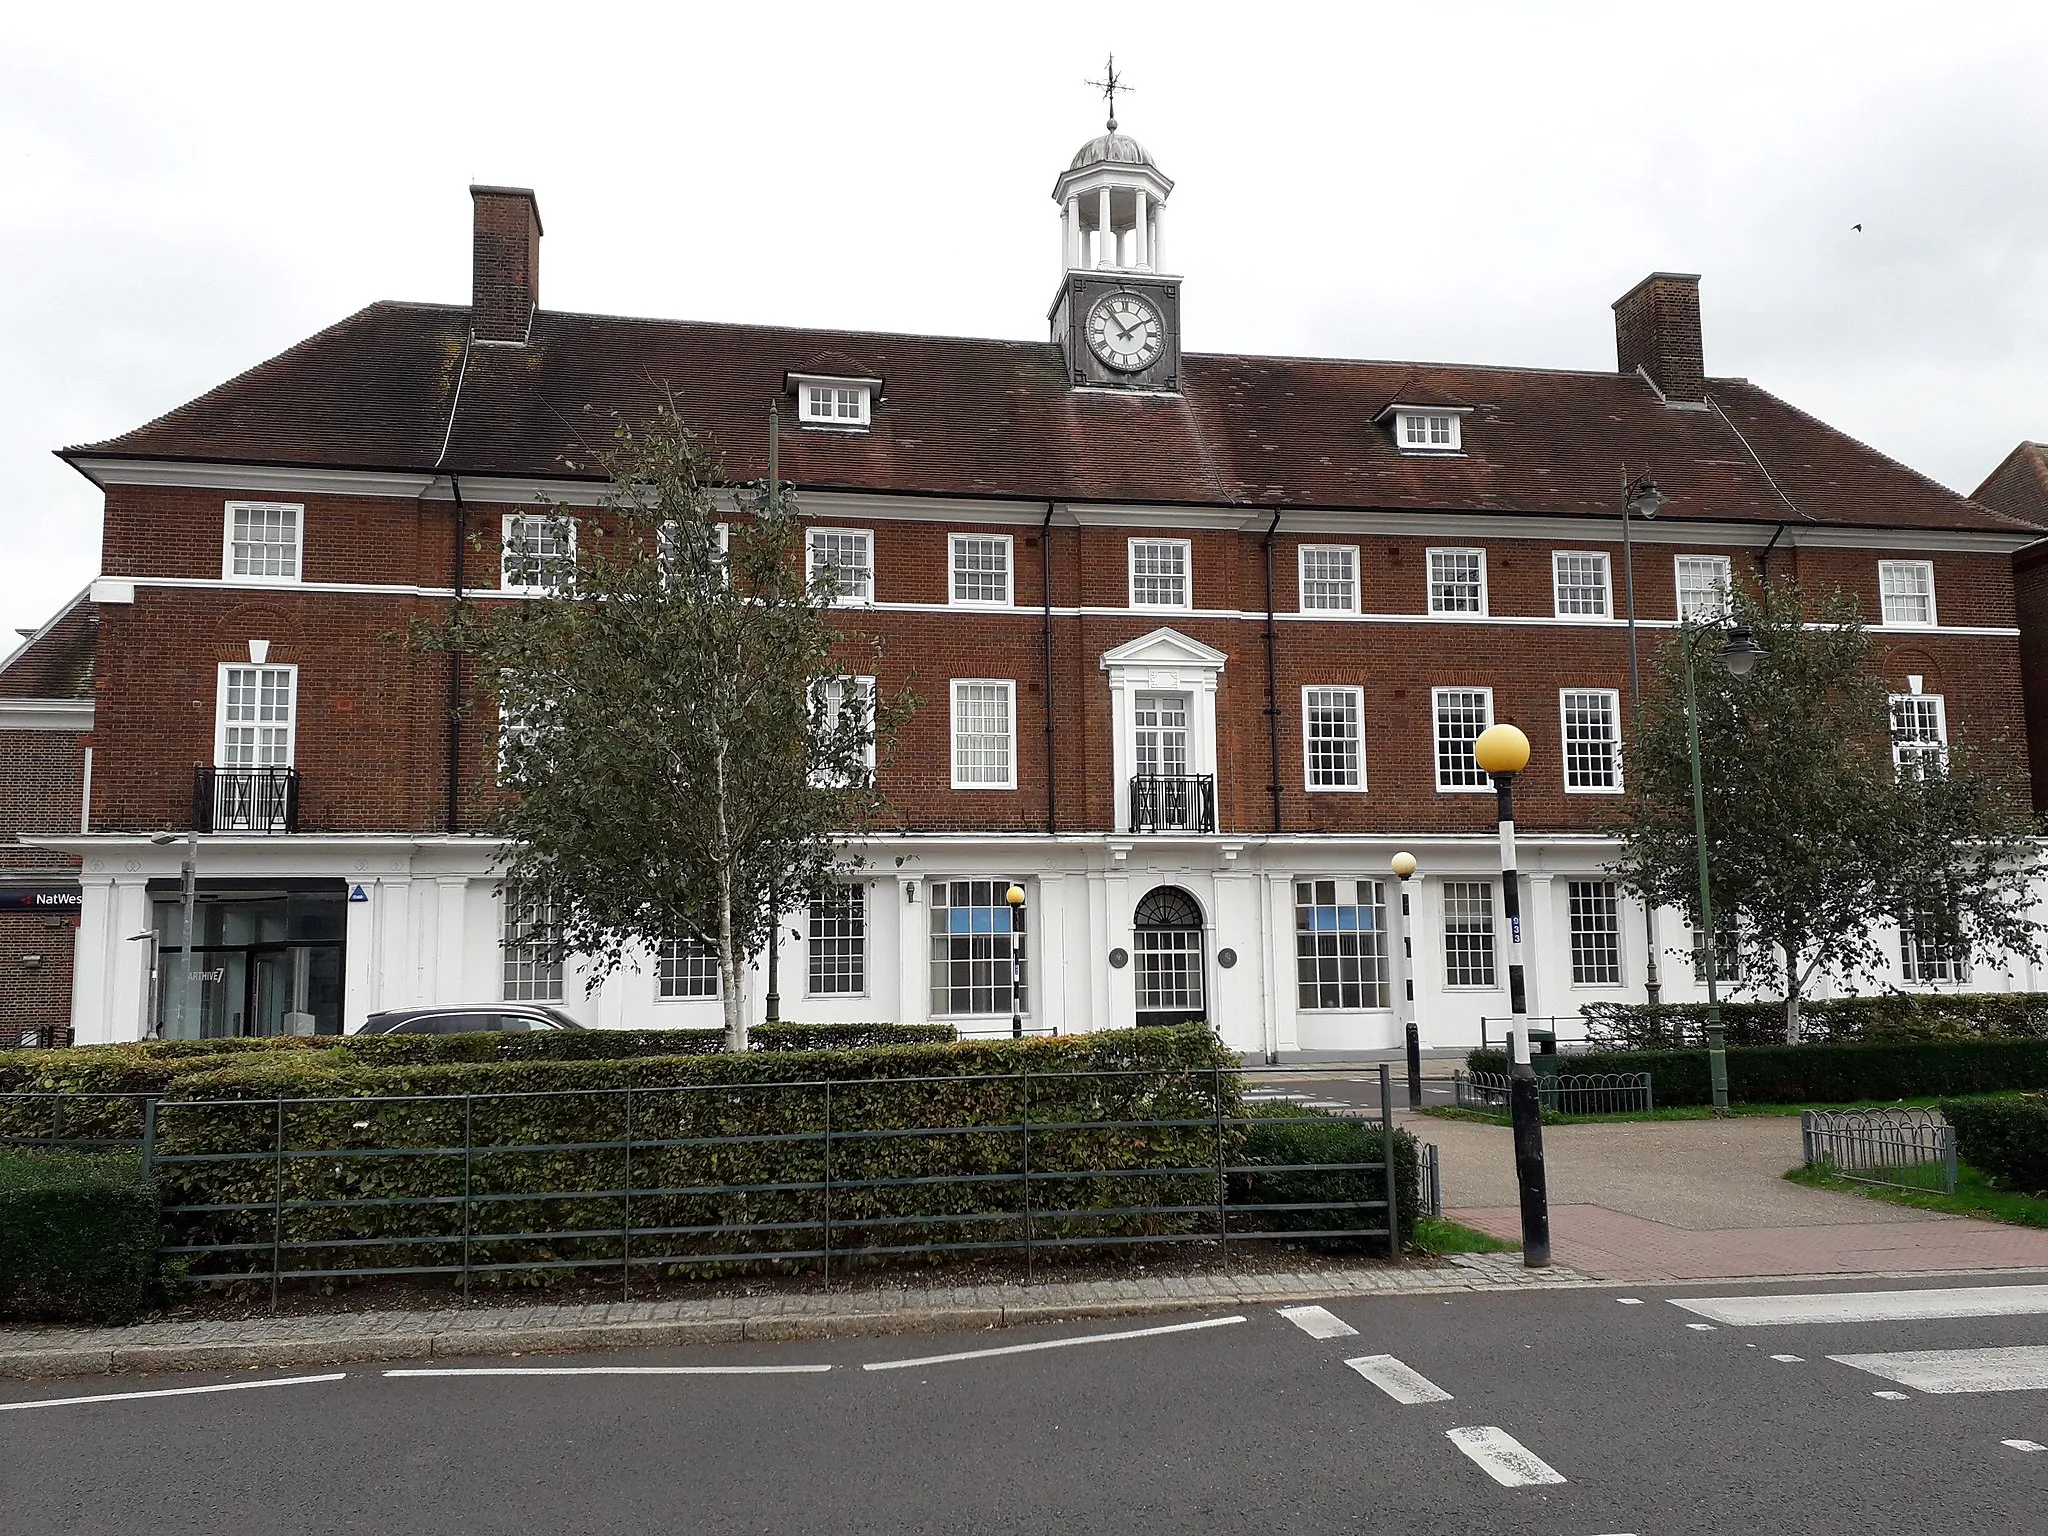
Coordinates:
(253, 724)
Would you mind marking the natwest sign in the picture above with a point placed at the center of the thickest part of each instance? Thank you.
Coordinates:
(42, 898)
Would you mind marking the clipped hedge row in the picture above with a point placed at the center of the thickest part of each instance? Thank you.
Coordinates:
(1896, 1016)
(1297, 1137)
(150, 1066)
(1823, 1074)
(78, 1237)
(726, 1161)
(2006, 1139)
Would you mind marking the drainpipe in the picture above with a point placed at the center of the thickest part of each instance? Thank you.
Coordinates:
(1764, 560)
(455, 669)
(1052, 794)
(1272, 679)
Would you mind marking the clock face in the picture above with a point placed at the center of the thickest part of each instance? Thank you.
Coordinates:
(1126, 332)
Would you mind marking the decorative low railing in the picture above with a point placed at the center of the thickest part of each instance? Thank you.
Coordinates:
(1580, 1093)
(245, 799)
(1905, 1148)
(1168, 802)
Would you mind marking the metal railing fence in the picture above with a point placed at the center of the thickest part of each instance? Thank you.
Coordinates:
(1567, 1093)
(705, 1179)
(1904, 1148)
(1432, 1181)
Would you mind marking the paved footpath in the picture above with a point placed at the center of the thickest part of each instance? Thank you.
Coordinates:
(341, 1337)
(1705, 1199)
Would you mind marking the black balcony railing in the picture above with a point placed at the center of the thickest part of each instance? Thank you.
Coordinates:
(1173, 802)
(245, 799)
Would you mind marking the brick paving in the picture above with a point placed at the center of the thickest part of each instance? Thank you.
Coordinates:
(337, 1338)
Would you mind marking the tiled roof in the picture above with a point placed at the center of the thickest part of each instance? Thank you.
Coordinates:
(2019, 486)
(998, 419)
(57, 662)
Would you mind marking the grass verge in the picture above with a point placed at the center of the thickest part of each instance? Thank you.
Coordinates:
(1974, 1196)
(1433, 1234)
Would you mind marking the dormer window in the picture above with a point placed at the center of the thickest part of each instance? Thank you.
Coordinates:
(844, 401)
(1425, 427)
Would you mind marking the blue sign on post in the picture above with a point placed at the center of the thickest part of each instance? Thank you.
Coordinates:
(357, 893)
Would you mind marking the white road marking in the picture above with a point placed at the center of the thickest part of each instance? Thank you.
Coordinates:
(1869, 1306)
(2019, 1369)
(1503, 1458)
(1317, 1322)
(1894, 1397)
(1790, 1359)
(1701, 1327)
(1630, 1301)
(615, 1370)
(1400, 1381)
(129, 1397)
(2025, 1445)
(1024, 1349)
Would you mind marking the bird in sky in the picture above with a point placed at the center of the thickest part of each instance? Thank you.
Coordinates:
(1856, 229)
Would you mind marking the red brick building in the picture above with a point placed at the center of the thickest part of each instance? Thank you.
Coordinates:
(1201, 641)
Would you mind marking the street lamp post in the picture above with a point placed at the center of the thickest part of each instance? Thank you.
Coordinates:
(1404, 866)
(1639, 498)
(1502, 752)
(1015, 897)
(188, 994)
(1739, 654)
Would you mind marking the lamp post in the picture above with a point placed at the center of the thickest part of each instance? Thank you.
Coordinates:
(1502, 752)
(188, 994)
(1015, 897)
(1739, 654)
(1639, 498)
(1404, 866)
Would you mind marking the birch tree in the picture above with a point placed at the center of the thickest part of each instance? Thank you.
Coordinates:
(683, 747)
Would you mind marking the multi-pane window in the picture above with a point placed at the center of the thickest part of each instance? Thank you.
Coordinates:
(1457, 581)
(263, 541)
(1468, 934)
(841, 405)
(1704, 584)
(1930, 949)
(839, 941)
(1919, 734)
(1329, 578)
(253, 728)
(1428, 429)
(1595, 907)
(1727, 952)
(538, 552)
(1592, 740)
(686, 968)
(845, 556)
(531, 946)
(981, 569)
(973, 932)
(1340, 943)
(1906, 592)
(1461, 714)
(1159, 573)
(1159, 732)
(831, 698)
(1579, 581)
(1332, 730)
(984, 734)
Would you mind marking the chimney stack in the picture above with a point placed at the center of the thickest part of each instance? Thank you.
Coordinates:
(1657, 329)
(505, 286)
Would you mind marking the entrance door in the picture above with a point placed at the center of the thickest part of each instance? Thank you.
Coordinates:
(1166, 953)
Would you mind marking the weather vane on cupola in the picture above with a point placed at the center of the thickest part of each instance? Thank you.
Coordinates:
(1109, 86)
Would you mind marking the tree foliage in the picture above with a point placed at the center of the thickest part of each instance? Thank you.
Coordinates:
(1817, 848)
(679, 726)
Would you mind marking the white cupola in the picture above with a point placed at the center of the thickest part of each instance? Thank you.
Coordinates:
(1113, 206)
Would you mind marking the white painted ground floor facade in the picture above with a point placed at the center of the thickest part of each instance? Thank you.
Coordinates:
(1281, 943)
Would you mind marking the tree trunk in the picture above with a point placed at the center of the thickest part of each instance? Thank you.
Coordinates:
(728, 962)
(1795, 1026)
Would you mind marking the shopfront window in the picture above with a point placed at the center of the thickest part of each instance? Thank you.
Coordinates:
(264, 962)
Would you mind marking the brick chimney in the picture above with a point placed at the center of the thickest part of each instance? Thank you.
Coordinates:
(1657, 329)
(505, 288)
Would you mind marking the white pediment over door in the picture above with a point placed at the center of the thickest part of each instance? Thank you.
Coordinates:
(1167, 649)
(1164, 661)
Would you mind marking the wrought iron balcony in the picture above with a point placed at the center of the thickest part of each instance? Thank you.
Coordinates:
(1173, 802)
(245, 799)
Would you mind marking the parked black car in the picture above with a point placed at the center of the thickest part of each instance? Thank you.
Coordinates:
(467, 1019)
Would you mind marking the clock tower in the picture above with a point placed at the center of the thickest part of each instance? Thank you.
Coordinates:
(1116, 316)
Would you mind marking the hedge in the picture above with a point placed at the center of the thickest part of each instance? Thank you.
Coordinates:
(2006, 1139)
(1287, 1135)
(569, 1198)
(78, 1237)
(1822, 1074)
(1895, 1016)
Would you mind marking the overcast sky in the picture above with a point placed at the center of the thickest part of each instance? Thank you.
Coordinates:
(190, 189)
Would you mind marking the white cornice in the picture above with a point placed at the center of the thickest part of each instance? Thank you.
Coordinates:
(271, 479)
(45, 714)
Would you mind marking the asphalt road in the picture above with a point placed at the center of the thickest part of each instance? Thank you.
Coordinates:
(1653, 1425)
